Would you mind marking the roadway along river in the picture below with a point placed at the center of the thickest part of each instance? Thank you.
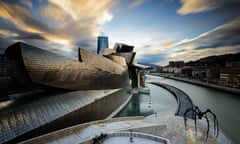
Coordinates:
(225, 105)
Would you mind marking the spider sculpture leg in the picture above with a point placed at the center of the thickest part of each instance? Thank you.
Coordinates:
(195, 123)
(185, 123)
(207, 126)
(197, 115)
(216, 128)
(185, 115)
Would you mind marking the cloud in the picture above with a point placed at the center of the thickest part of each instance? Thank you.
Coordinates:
(94, 11)
(20, 17)
(89, 44)
(58, 25)
(136, 3)
(147, 46)
(220, 40)
(167, 44)
(27, 3)
(55, 15)
(198, 6)
(224, 35)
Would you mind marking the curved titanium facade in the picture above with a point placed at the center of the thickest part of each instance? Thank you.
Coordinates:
(30, 64)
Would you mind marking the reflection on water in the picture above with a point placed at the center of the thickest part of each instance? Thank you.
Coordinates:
(147, 104)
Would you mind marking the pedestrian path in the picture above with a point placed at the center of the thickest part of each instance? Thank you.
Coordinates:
(183, 100)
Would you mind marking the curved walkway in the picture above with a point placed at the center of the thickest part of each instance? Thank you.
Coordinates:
(183, 100)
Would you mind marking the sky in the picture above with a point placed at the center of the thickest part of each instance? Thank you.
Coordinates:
(160, 30)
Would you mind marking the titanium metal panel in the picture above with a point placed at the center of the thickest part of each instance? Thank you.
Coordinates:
(30, 64)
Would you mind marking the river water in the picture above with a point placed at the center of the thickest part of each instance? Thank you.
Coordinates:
(147, 104)
(225, 105)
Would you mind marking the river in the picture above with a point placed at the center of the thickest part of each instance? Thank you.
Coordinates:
(147, 104)
(225, 105)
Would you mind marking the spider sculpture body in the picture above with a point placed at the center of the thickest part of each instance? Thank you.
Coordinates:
(197, 113)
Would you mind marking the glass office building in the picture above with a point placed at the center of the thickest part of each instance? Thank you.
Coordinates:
(102, 44)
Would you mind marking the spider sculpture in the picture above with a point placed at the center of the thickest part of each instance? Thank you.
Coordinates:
(197, 113)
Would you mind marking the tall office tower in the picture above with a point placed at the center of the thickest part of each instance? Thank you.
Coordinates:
(102, 44)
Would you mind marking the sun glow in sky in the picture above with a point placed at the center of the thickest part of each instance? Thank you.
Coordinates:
(160, 30)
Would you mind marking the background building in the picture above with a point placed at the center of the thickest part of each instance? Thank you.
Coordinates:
(230, 76)
(178, 64)
(213, 73)
(233, 64)
(102, 44)
(174, 67)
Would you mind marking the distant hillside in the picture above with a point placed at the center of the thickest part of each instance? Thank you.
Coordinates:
(219, 61)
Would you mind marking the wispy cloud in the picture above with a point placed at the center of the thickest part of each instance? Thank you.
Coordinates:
(167, 44)
(198, 6)
(224, 35)
(21, 18)
(93, 10)
(222, 39)
(136, 3)
(27, 3)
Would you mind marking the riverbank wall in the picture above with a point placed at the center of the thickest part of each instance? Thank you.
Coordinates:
(204, 84)
(57, 112)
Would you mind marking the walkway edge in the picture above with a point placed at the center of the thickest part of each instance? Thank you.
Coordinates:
(183, 100)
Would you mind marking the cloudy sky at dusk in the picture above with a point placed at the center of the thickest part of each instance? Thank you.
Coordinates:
(160, 30)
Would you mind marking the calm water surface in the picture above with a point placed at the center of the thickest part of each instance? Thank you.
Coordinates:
(147, 104)
(225, 105)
